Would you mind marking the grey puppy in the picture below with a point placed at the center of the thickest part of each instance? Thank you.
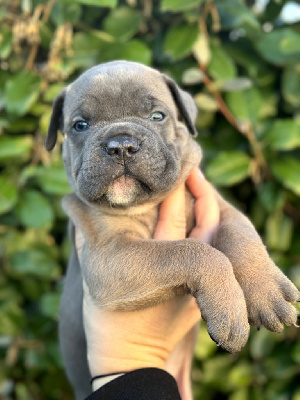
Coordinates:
(128, 143)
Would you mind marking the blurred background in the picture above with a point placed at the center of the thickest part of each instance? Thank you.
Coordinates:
(241, 61)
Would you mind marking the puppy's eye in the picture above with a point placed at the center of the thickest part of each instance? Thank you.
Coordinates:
(81, 126)
(157, 116)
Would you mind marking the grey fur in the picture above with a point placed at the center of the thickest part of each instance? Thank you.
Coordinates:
(234, 281)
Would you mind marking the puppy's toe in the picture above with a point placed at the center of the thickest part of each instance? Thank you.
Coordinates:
(271, 322)
(230, 333)
(218, 328)
(286, 313)
(288, 289)
(238, 337)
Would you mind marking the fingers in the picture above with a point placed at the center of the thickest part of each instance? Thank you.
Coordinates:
(206, 207)
(171, 223)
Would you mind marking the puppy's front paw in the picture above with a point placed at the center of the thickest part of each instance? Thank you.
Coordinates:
(268, 292)
(268, 301)
(223, 307)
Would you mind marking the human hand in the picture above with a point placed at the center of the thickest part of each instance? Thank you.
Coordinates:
(120, 341)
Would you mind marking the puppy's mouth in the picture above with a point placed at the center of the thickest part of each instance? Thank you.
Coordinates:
(124, 190)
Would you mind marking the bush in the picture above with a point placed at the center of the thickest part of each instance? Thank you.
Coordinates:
(242, 65)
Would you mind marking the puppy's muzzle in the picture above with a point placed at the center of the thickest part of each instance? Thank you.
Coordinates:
(122, 147)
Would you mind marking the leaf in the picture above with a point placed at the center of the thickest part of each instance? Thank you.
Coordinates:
(244, 55)
(179, 5)
(5, 43)
(291, 86)
(179, 41)
(34, 210)
(201, 50)
(279, 231)
(192, 76)
(240, 375)
(134, 50)
(206, 102)
(290, 44)
(15, 147)
(53, 91)
(271, 196)
(53, 180)
(245, 104)
(122, 23)
(287, 171)
(221, 363)
(262, 344)
(235, 14)
(49, 304)
(284, 134)
(221, 66)
(276, 48)
(99, 3)
(205, 347)
(45, 120)
(21, 92)
(35, 262)
(8, 194)
(87, 46)
(65, 11)
(236, 84)
(12, 318)
(228, 168)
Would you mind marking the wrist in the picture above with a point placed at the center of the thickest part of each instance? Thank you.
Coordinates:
(100, 380)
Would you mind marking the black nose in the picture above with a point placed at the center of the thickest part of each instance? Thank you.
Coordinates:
(122, 147)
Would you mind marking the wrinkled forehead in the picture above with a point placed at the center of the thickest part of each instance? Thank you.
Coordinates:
(114, 90)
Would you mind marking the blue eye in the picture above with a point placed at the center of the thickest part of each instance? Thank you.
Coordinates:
(81, 126)
(157, 116)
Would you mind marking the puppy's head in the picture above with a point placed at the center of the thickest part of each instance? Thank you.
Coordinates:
(127, 134)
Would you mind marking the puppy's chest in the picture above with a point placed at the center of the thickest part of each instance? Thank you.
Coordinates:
(142, 226)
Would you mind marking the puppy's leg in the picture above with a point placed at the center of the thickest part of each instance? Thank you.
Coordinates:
(268, 292)
(125, 272)
(71, 333)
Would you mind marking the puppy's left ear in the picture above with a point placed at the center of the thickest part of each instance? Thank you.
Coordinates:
(184, 103)
(55, 121)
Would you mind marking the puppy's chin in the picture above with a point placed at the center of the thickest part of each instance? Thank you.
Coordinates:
(123, 191)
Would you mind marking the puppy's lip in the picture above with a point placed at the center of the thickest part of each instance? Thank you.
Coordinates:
(122, 190)
(123, 181)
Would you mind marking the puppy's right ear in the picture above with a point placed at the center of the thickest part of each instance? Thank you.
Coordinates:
(185, 104)
(55, 121)
(81, 216)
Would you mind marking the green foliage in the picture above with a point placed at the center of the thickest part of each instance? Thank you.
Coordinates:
(243, 67)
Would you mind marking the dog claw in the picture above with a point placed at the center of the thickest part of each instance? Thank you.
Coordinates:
(297, 326)
(258, 328)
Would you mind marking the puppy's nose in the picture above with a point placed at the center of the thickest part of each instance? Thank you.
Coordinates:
(122, 147)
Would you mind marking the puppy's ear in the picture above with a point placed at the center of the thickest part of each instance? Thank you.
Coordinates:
(55, 121)
(184, 103)
(81, 215)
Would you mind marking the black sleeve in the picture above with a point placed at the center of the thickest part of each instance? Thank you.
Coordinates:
(141, 384)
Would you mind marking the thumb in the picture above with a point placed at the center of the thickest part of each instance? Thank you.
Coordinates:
(171, 223)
